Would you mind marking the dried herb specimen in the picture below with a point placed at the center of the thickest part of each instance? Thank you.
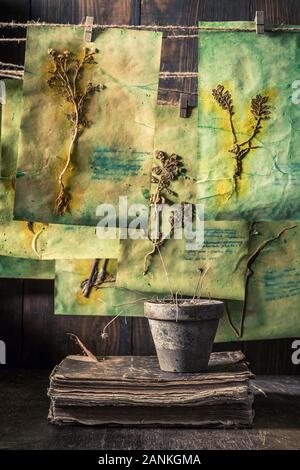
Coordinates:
(67, 79)
(96, 278)
(260, 110)
(170, 168)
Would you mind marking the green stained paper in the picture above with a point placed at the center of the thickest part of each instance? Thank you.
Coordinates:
(274, 289)
(38, 241)
(225, 249)
(6, 200)
(26, 268)
(223, 259)
(249, 64)
(10, 127)
(11, 112)
(108, 300)
(45, 242)
(113, 155)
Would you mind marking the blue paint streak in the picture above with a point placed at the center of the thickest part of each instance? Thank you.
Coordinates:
(115, 164)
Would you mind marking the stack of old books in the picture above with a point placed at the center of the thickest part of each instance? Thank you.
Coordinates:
(132, 390)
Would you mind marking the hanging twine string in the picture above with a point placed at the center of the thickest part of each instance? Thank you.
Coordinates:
(153, 27)
(18, 71)
(181, 36)
(178, 74)
(7, 75)
(8, 64)
(12, 39)
(13, 72)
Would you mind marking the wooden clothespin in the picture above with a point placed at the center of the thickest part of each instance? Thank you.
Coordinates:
(184, 104)
(260, 22)
(88, 28)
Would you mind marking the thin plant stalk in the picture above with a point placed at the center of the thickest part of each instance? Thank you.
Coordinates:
(66, 78)
(260, 110)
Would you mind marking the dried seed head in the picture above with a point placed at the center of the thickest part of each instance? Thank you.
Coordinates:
(52, 52)
(223, 98)
(260, 107)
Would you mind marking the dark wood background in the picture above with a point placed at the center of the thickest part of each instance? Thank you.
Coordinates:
(34, 336)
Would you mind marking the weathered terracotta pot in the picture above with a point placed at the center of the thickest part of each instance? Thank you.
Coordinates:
(184, 333)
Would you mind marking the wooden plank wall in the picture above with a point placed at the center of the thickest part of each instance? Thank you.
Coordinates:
(34, 336)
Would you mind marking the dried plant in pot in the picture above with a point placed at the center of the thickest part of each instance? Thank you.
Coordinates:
(183, 332)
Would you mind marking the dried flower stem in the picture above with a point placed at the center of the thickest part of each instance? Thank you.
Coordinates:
(170, 168)
(260, 110)
(65, 78)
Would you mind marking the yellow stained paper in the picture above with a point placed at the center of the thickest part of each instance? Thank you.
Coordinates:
(216, 270)
(37, 241)
(107, 300)
(113, 155)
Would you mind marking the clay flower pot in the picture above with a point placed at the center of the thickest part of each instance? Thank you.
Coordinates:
(183, 333)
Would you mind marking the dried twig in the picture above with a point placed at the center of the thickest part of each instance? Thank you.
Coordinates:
(84, 349)
(30, 226)
(260, 110)
(87, 285)
(202, 274)
(96, 277)
(66, 78)
(103, 334)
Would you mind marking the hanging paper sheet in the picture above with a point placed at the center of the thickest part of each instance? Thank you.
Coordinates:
(112, 152)
(46, 242)
(225, 249)
(104, 299)
(248, 137)
(274, 289)
(35, 240)
(25, 268)
(11, 111)
(217, 270)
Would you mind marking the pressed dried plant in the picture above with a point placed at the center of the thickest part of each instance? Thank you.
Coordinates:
(67, 77)
(169, 169)
(96, 278)
(260, 110)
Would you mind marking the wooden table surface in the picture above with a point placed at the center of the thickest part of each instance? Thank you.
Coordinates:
(24, 405)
